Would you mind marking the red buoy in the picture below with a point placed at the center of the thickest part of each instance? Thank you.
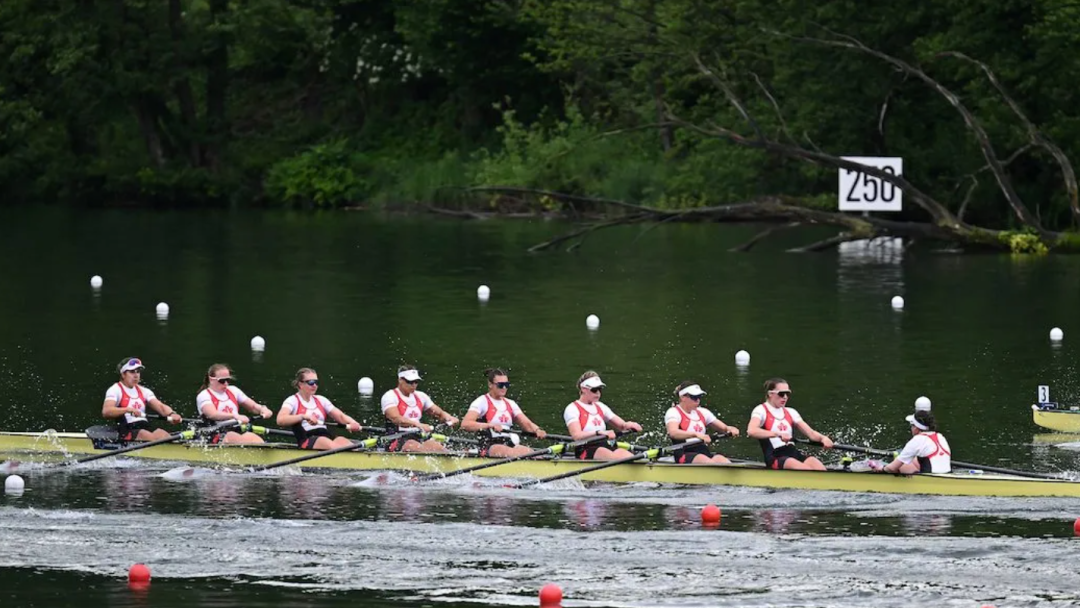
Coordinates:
(1076, 526)
(710, 515)
(550, 595)
(139, 573)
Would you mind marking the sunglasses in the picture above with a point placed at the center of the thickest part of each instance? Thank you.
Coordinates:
(134, 362)
(784, 394)
(311, 382)
(412, 382)
(502, 384)
(694, 397)
(224, 380)
(596, 390)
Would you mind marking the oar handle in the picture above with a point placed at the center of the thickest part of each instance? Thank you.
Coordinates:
(556, 437)
(651, 454)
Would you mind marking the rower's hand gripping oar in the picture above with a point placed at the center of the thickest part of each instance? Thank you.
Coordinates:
(554, 450)
(358, 446)
(651, 454)
(181, 436)
(955, 463)
(563, 438)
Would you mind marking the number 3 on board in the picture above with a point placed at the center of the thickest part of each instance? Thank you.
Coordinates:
(862, 192)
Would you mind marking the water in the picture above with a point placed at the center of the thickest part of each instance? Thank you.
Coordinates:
(355, 295)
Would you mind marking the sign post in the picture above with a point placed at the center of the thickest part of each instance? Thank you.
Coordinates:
(862, 192)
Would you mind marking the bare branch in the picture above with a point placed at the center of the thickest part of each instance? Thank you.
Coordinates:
(940, 214)
(776, 106)
(585, 231)
(1035, 135)
(1004, 183)
(967, 196)
(828, 243)
(731, 97)
(744, 247)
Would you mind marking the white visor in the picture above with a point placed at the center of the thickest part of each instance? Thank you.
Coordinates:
(693, 390)
(132, 364)
(916, 423)
(593, 382)
(409, 375)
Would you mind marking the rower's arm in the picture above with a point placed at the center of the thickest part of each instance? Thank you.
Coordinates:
(471, 422)
(527, 425)
(395, 417)
(256, 408)
(576, 432)
(165, 410)
(443, 415)
(754, 430)
(813, 435)
(285, 418)
(339, 415)
(678, 434)
(209, 410)
(624, 425)
(719, 426)
(110, 411)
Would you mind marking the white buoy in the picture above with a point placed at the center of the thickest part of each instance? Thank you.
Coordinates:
(592, 322)
(1056, 334)
(742, 358)
(14, 484)
(898, 303)
(922, 403)
(96, 282)
(366, 386)
(258, 344)
(483, 292)
(162, 309)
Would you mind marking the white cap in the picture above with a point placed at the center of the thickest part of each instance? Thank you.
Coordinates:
(915, 423)
(409, 375)
(693, 390)
(593, 382)
(131, 364)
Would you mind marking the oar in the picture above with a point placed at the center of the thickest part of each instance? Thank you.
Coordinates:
(563, 438)
(554, 450)
(651, 454)
(964, 465)
(181, 436)
(245, 427)
(366, 444)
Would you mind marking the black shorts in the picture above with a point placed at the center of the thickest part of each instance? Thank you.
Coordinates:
(775, 459)
(588, 451)
(687, 454)
(306, 439)
(129, 431)
(486, 441)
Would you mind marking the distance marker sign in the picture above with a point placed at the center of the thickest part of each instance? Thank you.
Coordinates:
(862, 192)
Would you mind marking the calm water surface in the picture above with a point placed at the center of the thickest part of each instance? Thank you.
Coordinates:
(354, 295)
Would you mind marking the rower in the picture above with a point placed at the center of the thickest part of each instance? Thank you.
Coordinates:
(306, 413)
(687, 420)
(219, 400)
(588, 417)
(926, 452)
(404, 406)
(773, 424)
(498, 412)
(127, 400)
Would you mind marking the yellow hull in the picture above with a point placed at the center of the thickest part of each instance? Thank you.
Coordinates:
(1066, 421)
(20, 445)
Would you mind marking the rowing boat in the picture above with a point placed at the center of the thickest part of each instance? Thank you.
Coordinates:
(1066, 421)
(965, 483)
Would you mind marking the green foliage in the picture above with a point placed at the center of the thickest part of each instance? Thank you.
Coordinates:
(1024, 242)
(326, 175)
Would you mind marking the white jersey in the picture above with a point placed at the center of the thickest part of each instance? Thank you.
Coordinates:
(780, 420)
(591, 418)
(924, 446)
(697, 421)
(410, 408)
(499, 411)
(319, 406)
(138, 398)
(226, 403)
